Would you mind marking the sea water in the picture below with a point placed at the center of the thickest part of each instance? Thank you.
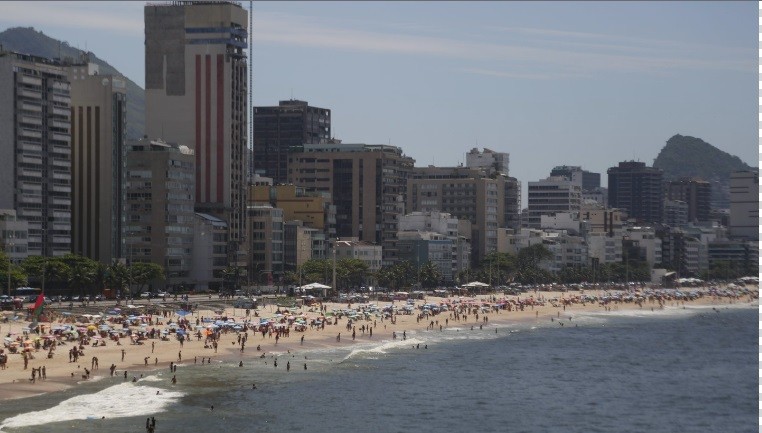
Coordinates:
(675, 370)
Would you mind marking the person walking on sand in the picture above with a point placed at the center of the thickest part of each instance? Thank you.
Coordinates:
(123, 352)
(179, 356)
(153, 343)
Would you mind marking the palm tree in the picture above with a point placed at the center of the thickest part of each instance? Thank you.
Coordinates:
(430, 276)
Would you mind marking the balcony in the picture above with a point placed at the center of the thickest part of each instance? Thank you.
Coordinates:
(62, 176)
(34, 81)
(61, 99)
(30, 133)
(31, 94)
(31, 173)
(58, 111)
(26, 106)
(60, 150)
(60, 137)
(33, 120)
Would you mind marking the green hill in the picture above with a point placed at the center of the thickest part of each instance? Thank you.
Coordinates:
(29, 41)
(685, 156)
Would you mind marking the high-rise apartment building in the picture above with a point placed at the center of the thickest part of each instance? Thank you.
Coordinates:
(196, 95)
(313, 208)
(550, 196)
(159, 191)
(281, 128)
(366, 182)
(696, 193)
(744, 204)
(35, 149)
(589, 181)
(98, 134)
(265, 238)
(488, 159)
(465, 193)
(638, 190)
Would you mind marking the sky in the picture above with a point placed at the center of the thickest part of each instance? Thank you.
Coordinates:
(551, 83)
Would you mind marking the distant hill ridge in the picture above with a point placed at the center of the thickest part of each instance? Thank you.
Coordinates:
(29, 41)
(685, 156)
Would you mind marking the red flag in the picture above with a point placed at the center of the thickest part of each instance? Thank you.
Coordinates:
(37, 310)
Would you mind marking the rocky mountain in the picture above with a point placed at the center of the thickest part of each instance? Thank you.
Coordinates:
(27, 40)
(685, 156)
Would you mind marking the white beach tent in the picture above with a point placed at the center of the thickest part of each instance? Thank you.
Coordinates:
(314, 286)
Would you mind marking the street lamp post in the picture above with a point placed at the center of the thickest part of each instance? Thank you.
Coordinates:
(11, 245)
(334, 268)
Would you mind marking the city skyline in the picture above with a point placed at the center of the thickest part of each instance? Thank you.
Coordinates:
(528, 79)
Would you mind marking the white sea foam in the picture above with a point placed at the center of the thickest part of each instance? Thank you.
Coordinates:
(123, 400)
(152, 378)
(383, 348)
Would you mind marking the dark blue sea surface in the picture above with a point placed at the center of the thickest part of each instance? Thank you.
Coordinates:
(691, 370)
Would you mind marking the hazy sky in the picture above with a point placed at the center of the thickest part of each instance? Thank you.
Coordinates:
(587, 84)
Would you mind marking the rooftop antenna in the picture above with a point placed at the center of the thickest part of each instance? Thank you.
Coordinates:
(292, 93)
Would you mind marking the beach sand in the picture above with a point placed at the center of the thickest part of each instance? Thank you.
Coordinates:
(15, 380)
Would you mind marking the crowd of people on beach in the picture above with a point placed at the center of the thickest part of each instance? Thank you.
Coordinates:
(169, 329)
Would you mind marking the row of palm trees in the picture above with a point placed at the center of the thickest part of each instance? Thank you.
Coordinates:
(497, 269)
(78, 275)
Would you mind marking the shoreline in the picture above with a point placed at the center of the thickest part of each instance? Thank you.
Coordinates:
(63, 375)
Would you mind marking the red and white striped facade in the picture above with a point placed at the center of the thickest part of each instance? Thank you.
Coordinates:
(196, 87)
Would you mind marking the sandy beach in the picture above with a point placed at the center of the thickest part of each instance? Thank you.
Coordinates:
(474, 311)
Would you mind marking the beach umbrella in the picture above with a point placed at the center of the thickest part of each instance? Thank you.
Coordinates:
(182, 313)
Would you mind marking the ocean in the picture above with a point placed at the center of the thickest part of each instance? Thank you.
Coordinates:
(677, 370)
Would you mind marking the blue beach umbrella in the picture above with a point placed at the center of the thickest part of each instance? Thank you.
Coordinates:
(182, 313)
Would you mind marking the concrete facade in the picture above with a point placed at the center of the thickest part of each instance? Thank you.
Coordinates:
(159, 193)
(366, 184)
(493, 162)
(638, 190)
(265, 238)
(196, 94)
(744, 205)
(35, 149)
(696, 193)
(465, 193)
(210, 242)
(313, 208)
(14, 234)
(98, 133)
(550, 196)
(277, 129)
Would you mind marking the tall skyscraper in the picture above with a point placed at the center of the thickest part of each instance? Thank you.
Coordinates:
(98, 130)
(196, 87)
(278, 129)
(35, 149)
(638, 190)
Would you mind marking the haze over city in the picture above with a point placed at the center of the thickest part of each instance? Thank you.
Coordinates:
(585, 84)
